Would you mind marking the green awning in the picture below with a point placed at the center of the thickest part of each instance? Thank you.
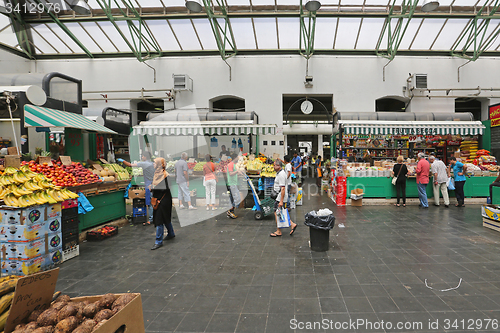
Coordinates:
(36, 116)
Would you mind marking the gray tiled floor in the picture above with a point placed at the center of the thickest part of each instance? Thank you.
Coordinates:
(226, 275)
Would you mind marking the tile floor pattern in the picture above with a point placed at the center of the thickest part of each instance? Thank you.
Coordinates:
(226, 275)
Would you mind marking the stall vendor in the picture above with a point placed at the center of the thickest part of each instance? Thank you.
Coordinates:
(224, 152)
(148, 170)
(496, 183)
(368, 157)
(355, 157)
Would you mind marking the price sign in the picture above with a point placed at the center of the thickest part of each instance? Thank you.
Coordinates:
(32, 292)
(65, 160)
(276, 156)
(44, 159)
(412, 138)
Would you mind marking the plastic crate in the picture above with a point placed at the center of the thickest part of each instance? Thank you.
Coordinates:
(97, 236)
(71, 252)
(139, 211)
(268, 182)
(69, 213)
(139, 219)
(70, 227)
(70, 241)
(139, 203)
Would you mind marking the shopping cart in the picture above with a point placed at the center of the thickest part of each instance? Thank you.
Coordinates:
(263, 207)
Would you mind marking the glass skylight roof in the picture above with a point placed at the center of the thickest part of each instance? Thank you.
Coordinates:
(257, 26)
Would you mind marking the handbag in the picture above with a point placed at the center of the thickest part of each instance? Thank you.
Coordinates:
(156, 203)
(394, 179)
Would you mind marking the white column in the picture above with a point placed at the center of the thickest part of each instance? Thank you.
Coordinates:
(320, 146)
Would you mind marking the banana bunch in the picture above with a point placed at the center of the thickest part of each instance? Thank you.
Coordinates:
(268, 171)
(7, 179)
(20, 177)
(10, 170)
(32, 186)
(19, 190)
(7, 288)
(3, 192)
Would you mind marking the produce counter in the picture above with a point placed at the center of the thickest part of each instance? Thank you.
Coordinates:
(108, 206)
(381, 187)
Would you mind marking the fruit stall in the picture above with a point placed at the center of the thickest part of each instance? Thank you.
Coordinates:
(198, 134)
(37, 217)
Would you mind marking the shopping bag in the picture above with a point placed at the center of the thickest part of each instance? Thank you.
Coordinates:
(282, 218)
(451, 184)
(393, 181)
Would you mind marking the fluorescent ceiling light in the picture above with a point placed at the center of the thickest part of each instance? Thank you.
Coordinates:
(430, 5)
(81, 7)
(194, 5)
(313, 5)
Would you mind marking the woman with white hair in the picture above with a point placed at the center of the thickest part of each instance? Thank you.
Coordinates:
(400, 171)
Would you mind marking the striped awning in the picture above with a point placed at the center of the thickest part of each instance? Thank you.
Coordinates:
(36, 116)
(200, 129)
(412, 127)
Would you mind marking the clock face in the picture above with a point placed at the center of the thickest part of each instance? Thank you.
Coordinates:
(306, 107)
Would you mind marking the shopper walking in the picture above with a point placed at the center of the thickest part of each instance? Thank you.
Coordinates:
(148, 171)
(232, 186)
(297, 167)
(280, 188)
(440, 177)
(210, 182)
(162, 215)
(288, 172)
(319, 174)
(182, 180)
(459, 175)
(422, 180)
(400, 171)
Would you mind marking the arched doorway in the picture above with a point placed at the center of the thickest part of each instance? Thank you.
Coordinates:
(391, 104)
(227, 103)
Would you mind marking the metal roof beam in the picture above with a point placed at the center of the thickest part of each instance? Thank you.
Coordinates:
(142, 43)
(475, 34)
(64, 28)
(403, 20)
(160, 15)
(223, 35)
(307, 31)
(22, 30)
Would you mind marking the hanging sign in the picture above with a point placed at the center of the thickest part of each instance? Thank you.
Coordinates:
(65, 160)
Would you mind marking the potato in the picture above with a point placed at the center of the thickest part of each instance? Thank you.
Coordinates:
(19, 326)
(123, 300)
(68, 311)
(117, 308)
(63, 298)
(59, 305)
(47, 318)
(99, 324)
(91, 309)
(67, 325)
(107, 301)
(31, 326)
(89, 322)
(83, 329)
(103, 314)
(45, 329)
(34, 315)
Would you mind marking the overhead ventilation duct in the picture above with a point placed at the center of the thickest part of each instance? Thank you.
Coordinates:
(182, 82)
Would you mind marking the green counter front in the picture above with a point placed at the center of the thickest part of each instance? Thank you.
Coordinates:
(381, 187)
(107, 207)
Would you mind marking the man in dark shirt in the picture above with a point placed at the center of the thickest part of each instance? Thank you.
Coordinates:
(355, 157)
(224, 152)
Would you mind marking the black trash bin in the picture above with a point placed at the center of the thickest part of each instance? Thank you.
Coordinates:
(319, 230)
